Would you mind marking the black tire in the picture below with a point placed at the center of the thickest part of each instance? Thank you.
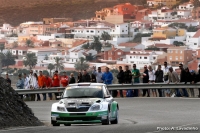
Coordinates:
(67, 124)
(107, 121)
(55, 124)
(116, 120)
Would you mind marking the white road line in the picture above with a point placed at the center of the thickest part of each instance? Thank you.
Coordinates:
(175, 126)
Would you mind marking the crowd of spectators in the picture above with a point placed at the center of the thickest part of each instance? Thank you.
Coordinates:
(149, 75)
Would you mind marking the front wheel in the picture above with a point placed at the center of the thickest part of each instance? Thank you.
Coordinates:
(116, 118)
(107, 121)
(54, 124)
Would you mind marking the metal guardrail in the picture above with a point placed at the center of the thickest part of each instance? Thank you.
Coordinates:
(116, 87)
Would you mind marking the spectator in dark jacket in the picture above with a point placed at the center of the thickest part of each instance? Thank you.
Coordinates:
(127, 75)
(193, 81)
(8, 79)
(120, 77)
(79, 78)
(93, 78)
(72, 79)
(86, 77)
(159, 78)
(183, 77)
(146, 80)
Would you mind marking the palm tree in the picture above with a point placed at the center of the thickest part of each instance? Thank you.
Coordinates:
(50, 67)
(8, 59)
(30, 60)
(29, 43)
(81, 64)
(105, 36)
(58, 63)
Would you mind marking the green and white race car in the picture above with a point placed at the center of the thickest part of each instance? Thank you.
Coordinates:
(85, 103)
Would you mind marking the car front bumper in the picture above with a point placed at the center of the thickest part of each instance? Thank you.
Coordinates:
(78, 118)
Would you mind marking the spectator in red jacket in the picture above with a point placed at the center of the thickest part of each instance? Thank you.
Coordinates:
(56, 82)
(64, 80)
(48, 84)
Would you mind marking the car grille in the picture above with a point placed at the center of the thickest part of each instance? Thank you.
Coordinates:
(80, 109)
(79, 118)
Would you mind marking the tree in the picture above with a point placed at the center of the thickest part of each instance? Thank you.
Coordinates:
(105, 36)
(46, 57)
(96, 44)
(45, 72)
(58, 63)
(15, 44)
(50, 67)
(89, 57)
(81, 64)
(2, 47)
(175, 43)
(8, 59)
(29, 43)
(30, 60)
(86, 46)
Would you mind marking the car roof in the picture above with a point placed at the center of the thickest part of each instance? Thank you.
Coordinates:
(86, 84)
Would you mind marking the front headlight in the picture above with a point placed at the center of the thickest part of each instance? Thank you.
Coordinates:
(60, 108)
(96, 107)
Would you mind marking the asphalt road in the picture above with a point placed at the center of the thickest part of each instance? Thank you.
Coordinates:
(137, 115)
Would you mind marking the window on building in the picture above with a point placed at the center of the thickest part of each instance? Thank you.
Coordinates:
(170, 58)
(110, 58)
(180, 57)
(122, 30)
(119, 53)
(195, 43)
(130, 57)
(176, 57)
(154, 58)
(140, 57)
(145, 57)
(92, 31)
(176, 51)
(72, 60)
(181, 51)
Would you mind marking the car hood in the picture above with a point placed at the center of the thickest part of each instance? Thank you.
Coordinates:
(81, 101)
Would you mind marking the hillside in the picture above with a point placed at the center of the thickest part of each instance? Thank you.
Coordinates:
(18, 11)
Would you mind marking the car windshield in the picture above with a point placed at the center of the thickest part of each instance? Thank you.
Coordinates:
(87, 92)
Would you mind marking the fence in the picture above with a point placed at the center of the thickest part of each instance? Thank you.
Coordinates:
(116, 87)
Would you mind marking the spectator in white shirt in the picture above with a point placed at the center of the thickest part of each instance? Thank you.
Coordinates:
(166, 79)
(152, 78)
(98, 74)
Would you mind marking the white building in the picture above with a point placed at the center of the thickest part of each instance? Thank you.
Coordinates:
(7, 30)
(78, 53)
(193, 40)
(19, 51)
(162, 23)
(161, 14)
(187, 22)
(186, 6)
(184, 13)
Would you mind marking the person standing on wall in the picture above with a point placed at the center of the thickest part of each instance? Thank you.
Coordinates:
(86, 77)
(56, 83)
(120, 77)
(128, 80)
(183, 79)
(146, 80)
(136, 78)
(159, 78)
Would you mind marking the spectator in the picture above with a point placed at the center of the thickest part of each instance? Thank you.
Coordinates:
(159, 78)
(48, 84)
(98, 74)
(198, 79)
(32, 83)
(107, 78)
(152, 78)
(173, 77)
(26, 84)
(72, 79)
(79, 80)
(20, 84)
(93, 78)
(165, 78)
(187, 79)
(120, 77)
(56, 83)
(86, 77)
(146, 80)
(193, 81)
(183, 79)
(64, 80)
(136, 76)
(128, 80)
(36, 86)
(41, 86)
(8, 79)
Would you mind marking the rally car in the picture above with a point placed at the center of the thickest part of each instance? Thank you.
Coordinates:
(85, 103)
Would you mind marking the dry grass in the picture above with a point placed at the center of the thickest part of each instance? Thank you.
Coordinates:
(18, 11)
